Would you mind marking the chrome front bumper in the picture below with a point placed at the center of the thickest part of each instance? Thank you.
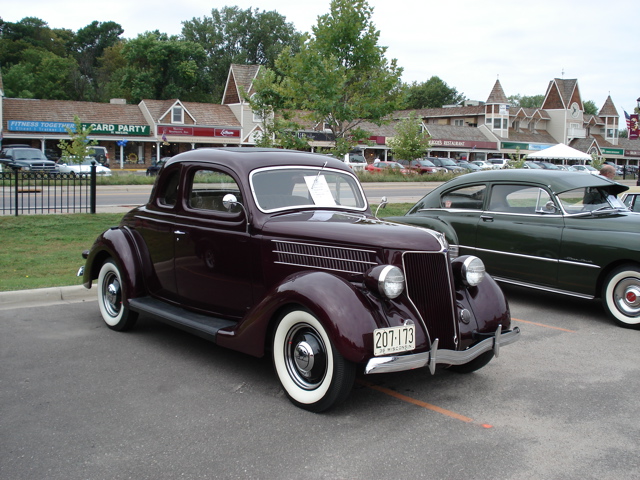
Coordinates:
(398, 363)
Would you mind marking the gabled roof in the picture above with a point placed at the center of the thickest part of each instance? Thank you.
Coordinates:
(497, 94)
(561, 94)
(469, 111)
(200, 113)
(240, 79)
(608, 109)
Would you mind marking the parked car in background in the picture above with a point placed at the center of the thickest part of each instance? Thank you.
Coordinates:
(447, 163)
(389, 167)
(472, 167)
(355, 161)
(561, 232)
(586, 169)
(155, 167)
(484, 165)
(421, 166)
(100, 155)
(84, 167)
(276, 252)
(499, 162)
(547, 165)
(27, 159)
(631, 198)
(531, 165)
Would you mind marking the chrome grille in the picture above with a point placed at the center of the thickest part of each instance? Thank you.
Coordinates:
(323, 257)
(429, 288)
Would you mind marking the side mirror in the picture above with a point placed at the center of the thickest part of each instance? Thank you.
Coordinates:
(229, 200)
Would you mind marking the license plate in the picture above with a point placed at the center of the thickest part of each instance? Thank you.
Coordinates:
(394, 340)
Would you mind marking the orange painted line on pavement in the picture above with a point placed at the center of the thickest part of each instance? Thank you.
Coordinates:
(419, 403)
(543, 325)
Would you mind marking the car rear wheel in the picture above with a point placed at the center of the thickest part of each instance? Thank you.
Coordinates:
(621, 296)
(312, 372)
(110, 295)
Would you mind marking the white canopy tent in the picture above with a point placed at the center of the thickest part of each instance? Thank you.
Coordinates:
(560, 152)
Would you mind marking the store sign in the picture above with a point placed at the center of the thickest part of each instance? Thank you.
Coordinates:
(199, 131)
(441, 142)
(612, 151)
(632, 153)
(64, 127)
(514, 146)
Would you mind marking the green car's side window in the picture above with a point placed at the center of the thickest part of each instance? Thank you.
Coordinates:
(467, 198)
(520, 199)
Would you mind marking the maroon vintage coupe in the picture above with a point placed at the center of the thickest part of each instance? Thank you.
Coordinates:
(268, 251)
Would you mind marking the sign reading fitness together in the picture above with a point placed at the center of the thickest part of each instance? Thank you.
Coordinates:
(63, 127)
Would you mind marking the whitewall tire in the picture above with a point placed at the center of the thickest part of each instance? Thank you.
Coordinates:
(621, 296)
(110, 298)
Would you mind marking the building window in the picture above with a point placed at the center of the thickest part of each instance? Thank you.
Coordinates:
(496, 123)
(177, 115)
(458, 123)
(505, 124)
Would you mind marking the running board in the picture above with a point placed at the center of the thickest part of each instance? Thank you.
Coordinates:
(204, 326)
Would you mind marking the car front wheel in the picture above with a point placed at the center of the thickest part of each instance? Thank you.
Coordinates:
(110, 294)
(621, 296)
(312, 372)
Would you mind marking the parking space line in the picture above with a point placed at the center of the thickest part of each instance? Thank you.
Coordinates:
(419, 403)
(544, 326)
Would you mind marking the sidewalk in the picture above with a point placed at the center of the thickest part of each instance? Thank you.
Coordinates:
(40, 297)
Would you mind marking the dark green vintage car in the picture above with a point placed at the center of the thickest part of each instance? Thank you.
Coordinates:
(563, 232)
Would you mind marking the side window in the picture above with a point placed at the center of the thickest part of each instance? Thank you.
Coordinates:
(520, 199)
(208, 187)
(169, 189)
(468, 198)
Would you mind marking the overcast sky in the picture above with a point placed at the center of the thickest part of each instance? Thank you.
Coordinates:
(467, 43)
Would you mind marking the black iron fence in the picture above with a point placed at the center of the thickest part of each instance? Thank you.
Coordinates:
(41, 193)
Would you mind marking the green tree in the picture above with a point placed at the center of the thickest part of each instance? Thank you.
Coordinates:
(434, 93)
(232, 35)
(524, 101)
(410, 141)
(79, 147)
(590, 107)
(340, 75)
(162, 67)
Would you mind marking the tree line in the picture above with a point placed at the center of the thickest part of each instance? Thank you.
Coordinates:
(96, 63)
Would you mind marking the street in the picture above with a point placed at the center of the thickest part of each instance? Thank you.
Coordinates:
(80, 401)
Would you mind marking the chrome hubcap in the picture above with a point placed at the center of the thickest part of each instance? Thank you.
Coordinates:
(305, 357)
(627, 296)
(112, 297)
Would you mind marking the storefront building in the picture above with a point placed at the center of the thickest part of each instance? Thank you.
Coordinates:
(137, 135)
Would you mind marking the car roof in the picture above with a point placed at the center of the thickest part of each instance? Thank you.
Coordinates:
(245, 159)
(557, 180)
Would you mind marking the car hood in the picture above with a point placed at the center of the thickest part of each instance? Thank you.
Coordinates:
(351, 230)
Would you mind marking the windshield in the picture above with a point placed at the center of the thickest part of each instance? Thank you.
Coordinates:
(28, 154)
(294, 187)
(589, 199)
(356, 159)
(446, 161)
(426, 163)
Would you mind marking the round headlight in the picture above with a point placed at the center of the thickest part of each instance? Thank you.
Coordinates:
(472, 271)
(391, 282)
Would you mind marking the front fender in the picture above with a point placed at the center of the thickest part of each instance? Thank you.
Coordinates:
(433, 223)
(341, 307)
(116, 243)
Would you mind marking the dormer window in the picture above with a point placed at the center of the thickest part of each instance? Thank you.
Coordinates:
(177, 114)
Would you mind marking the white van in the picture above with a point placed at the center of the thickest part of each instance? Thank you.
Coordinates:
(355, 161)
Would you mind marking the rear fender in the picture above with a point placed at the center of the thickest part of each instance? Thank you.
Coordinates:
(116, 243)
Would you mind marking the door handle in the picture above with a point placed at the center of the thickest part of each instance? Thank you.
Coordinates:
(486, 218)
(179, 232)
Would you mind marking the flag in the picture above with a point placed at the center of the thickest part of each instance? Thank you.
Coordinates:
(628, 119)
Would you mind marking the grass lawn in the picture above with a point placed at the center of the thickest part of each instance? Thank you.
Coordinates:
(46, 250)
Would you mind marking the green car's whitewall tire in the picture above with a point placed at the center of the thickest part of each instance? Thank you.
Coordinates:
(621, 296)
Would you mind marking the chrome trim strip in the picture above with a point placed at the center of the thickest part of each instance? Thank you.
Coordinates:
(542, 287)
(532, 257)
(400, 363)
(318, 268)
(323, 246)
